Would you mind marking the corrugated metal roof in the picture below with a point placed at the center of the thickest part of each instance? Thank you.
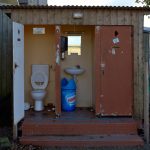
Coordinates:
(73, 7)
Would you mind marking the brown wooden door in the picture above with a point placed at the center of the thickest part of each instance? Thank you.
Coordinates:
(116, 69)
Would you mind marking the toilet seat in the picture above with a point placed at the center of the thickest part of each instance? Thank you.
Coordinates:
(39, 80)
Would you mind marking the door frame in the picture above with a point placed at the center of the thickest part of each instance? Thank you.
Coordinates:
(58, 70)
(97, 70)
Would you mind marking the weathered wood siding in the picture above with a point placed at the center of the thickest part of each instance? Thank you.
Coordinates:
(64, 16)
(5, 69)
(147, 44)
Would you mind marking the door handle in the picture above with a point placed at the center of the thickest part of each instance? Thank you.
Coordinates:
(16, 66)
(102, 68)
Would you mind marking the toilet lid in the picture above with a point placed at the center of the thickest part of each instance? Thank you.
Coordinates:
(39, 80)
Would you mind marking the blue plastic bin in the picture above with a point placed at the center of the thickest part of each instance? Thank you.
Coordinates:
(68, 94)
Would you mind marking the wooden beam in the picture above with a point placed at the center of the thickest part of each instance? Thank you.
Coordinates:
(146, 89)
(57, 70)
(134, 22)
(1, 39)
(146, 103)
(4, 54)
(140, 63)
(97, 69)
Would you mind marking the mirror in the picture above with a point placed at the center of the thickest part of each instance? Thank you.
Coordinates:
(74, 44)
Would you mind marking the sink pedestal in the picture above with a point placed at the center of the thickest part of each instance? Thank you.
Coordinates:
(75, 78)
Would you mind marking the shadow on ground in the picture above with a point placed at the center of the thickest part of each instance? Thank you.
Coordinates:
(30, 147)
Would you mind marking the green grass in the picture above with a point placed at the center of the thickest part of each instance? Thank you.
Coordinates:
(4, 143)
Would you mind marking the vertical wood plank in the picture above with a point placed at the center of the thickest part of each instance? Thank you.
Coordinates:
(57, 70)
(15, 16)
(107, 17)
(146, 87)
(1, 35)
(9, 63)
(6, 57)
(51, 16)
(97, 69)
(70, 19)
(65, 16)
(90, 18)
(43, 16)
(121, 17)
(137, 22)
(127, 18)
(86, 17)
(58, 16)
(114, 17)
(4, 54)
(146, 102)
(35, 16)
(22, 16)
(29, 17)
(136, 48)
(5, 70)
(99, 17)
(141, 65)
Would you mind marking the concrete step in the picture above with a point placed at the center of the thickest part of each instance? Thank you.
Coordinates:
(79, 127)
(84, 140)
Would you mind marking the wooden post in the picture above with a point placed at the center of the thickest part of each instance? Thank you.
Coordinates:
(15, 132)
(146, 96)
(57, 70)
(97, 70)
(146, 104)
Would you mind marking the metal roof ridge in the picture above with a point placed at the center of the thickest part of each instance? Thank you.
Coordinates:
(71, 6)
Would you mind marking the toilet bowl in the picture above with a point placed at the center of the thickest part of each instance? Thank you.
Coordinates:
(38, 96)
(39, 82)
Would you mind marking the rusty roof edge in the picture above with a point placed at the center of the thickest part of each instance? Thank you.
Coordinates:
(146, 8)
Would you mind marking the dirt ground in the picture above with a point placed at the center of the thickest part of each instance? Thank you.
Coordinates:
(17, 146)
(30, 147)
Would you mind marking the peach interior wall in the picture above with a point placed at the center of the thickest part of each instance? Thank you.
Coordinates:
(39, 49)
(84, 81)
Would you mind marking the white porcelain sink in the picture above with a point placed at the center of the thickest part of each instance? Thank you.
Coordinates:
(74, 70)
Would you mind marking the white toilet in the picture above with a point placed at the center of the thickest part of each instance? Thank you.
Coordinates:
(39, 82)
